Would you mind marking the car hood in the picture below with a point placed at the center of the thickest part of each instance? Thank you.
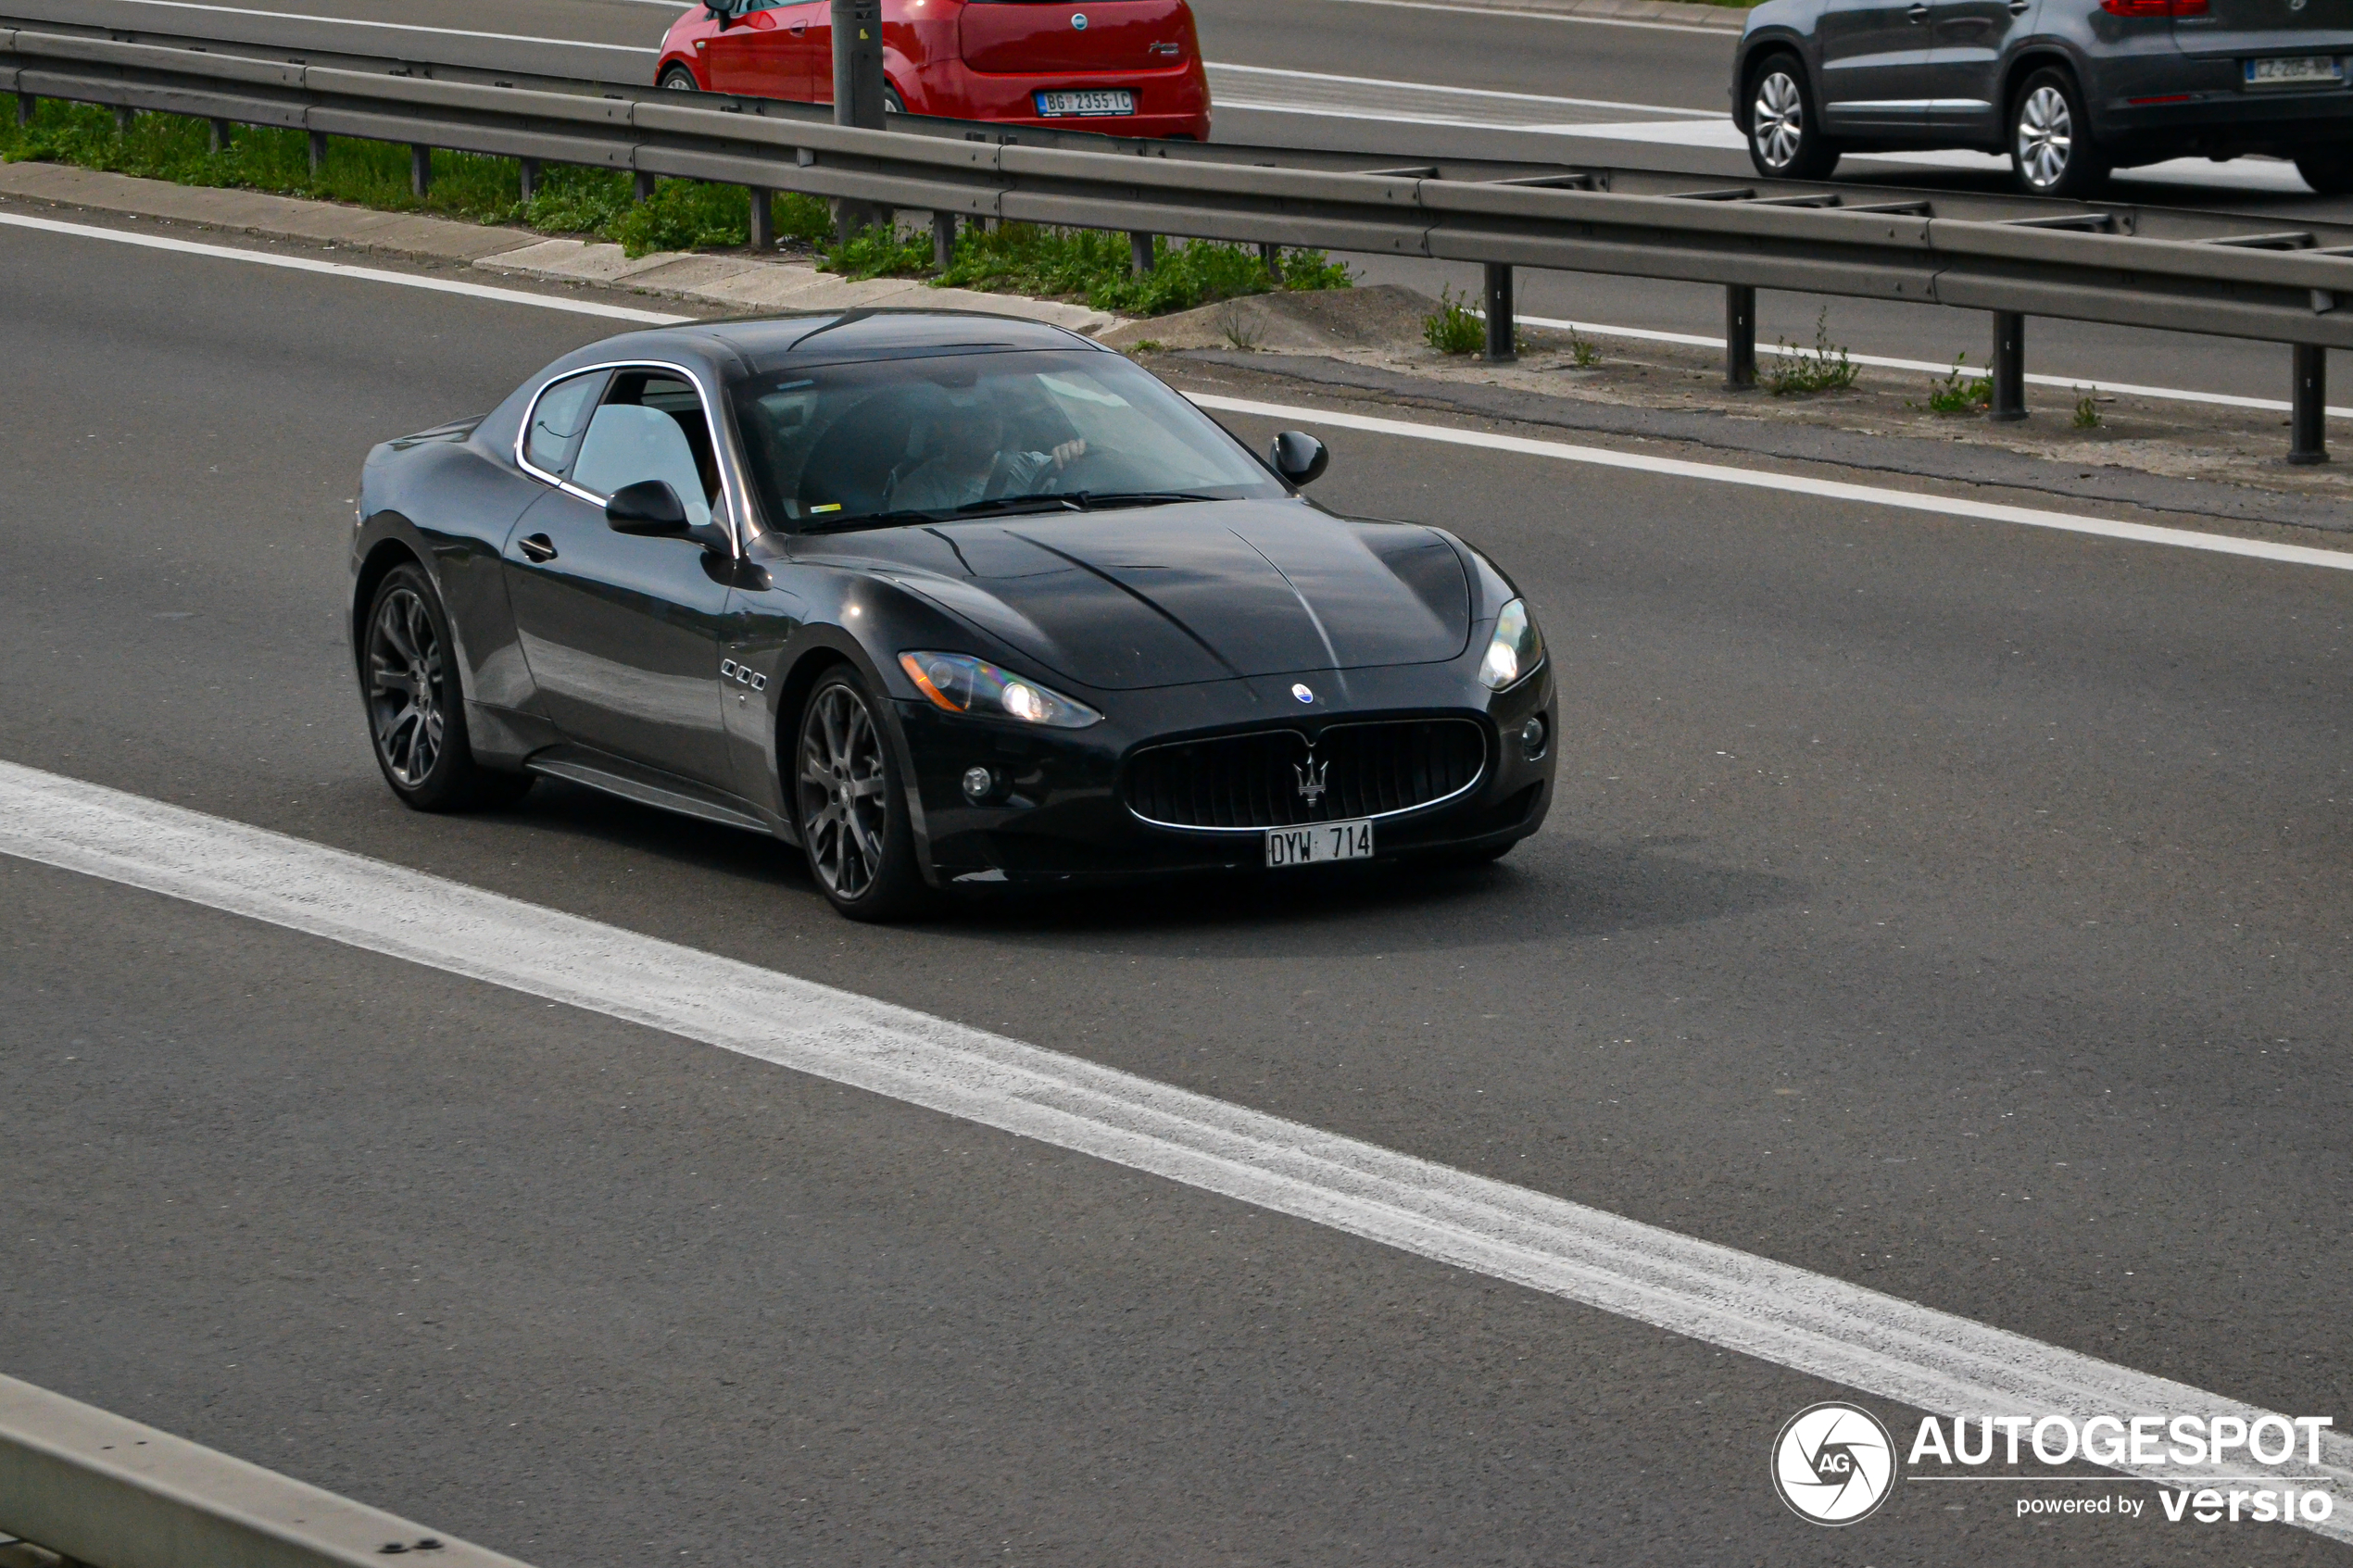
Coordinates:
(1164, 595)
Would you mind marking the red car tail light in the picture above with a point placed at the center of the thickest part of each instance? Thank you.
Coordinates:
(2153, 7)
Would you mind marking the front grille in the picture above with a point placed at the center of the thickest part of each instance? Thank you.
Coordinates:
(1239, 782)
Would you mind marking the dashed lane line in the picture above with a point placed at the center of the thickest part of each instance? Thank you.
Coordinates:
(1791, 1317)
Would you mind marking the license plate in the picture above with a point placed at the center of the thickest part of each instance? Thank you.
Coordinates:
(1094, 100)
(2280, 72)
(1314, 845)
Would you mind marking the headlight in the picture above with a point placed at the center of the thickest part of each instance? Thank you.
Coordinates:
(1516, 650)
(961, 684)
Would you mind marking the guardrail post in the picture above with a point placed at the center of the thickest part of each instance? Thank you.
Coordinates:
(943, 239)
(1139, 252)
(2309, 406)
(764, 219)
(122, 120)
(1271, 257)
(2009, 367)
(27, 106)
(420, 169)
(318, 154)
(1502, 345)
(527, 187)
(219, 136)
(641, 188)
(859, 86)
(1740, 336)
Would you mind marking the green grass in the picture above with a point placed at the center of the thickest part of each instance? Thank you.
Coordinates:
(1823, 368)
(682, 215)
(2087, 413)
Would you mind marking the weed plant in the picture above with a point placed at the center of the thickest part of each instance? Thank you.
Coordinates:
(1454, 327)
(1960, 392)
(1824, 367)
(2087, 413)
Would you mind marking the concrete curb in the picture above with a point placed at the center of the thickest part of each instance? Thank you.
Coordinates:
(730, 282)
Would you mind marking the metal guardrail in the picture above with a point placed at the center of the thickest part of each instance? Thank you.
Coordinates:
(2078, 265)
(105, 1492)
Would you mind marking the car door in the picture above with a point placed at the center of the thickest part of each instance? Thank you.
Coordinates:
(815, 18)
(754, 56)
(1875, 66)
(1972, 40)
(621, 632)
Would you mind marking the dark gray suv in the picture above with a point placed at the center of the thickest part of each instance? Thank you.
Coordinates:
(2069, 89)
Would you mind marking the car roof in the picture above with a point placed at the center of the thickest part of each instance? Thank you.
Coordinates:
(759, 345)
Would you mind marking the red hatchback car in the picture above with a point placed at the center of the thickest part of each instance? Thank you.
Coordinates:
(1127, 68)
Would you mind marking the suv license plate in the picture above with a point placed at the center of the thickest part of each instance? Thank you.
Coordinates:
(1314, 845)
(1094, 100)
(2281, 72)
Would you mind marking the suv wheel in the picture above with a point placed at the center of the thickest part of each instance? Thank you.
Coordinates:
(2329, 171)
(1785, 140)
(2051, 142)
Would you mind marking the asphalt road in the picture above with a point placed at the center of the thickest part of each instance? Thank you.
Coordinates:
(1945, 907)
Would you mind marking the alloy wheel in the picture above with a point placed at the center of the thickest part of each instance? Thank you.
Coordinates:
(1778, 118)
(407, 686)
(844, 808)
(2046, 137)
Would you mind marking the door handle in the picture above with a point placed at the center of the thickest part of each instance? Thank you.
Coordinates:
(2020, 7)
(538, 549)
(798, 29)
(1919, 13)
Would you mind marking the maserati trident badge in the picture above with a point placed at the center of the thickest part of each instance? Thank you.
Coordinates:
(1303, 692)
(1311, 778)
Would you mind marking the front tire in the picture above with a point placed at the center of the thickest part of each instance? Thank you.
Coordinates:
(678, 79)
(2329, 171)
(416, 702)
(1785, 138)
(2051, 147)
(851, 803)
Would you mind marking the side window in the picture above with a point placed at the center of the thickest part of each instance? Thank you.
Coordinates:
(558, 419)
(650, 426)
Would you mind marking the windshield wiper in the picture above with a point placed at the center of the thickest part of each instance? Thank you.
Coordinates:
(1076, 501)
(869, 520)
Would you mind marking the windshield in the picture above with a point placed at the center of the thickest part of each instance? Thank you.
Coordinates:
(920, 440)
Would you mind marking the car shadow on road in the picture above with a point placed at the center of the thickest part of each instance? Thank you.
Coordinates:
(1552, 886)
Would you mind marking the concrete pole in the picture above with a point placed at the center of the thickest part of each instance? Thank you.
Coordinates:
(857, 97)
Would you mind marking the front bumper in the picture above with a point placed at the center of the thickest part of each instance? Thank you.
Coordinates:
(1060, 815)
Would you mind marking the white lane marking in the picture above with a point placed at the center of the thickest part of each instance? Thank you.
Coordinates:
(345, 269)
(1386, 85)
(1933, 367)
(395, 27)
(1792, 1317)
(1795, 485)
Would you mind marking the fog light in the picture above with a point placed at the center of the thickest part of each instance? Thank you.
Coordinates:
(1531, 737)
(979, 785)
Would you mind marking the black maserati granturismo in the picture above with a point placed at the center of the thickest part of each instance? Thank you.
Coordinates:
(947, 600)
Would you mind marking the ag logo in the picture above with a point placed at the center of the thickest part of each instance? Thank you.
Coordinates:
(1833, 1463)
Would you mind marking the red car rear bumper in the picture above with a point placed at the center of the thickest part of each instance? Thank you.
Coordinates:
(1169, 104)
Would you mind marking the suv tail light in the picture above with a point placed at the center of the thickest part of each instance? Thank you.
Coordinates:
(2153, 7)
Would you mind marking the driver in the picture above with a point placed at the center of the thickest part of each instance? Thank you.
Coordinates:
(972, 465)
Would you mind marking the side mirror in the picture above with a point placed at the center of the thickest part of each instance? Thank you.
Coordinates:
(648, 508)
(1300, 457)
